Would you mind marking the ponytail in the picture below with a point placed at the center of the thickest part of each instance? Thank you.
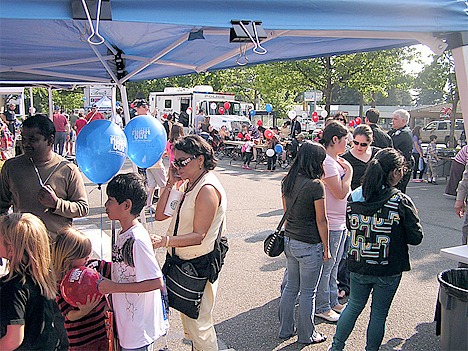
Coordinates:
(376, 177)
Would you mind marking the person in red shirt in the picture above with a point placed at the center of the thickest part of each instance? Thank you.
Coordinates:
(80, 123)
(61, 125)
(94, 114)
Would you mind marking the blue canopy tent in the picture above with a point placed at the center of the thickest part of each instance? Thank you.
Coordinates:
(55, 41)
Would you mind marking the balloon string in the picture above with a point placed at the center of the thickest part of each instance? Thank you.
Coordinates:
(102, 253)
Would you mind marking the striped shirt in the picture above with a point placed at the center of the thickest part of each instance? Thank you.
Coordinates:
(83, 332)
(462, 155)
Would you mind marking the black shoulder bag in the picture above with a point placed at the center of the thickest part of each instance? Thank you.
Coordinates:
(273, 245)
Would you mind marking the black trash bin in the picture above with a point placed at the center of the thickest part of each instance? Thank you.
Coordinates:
(453, 299)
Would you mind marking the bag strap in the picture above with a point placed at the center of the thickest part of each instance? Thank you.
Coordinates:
(285, 216)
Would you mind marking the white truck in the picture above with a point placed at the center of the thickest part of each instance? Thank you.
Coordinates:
(222, 108)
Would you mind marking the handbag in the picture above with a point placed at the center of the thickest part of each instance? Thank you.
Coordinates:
(273, 245)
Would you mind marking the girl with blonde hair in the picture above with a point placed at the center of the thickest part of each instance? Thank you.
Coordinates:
(27, 292)
(85, 324)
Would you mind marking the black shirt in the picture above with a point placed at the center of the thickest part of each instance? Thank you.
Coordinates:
(22, 303)
(359, 167)
(295, 128)
(403, 141)
(381, 139)
(301, 223)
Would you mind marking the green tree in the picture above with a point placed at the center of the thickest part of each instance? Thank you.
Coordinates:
(439, 78)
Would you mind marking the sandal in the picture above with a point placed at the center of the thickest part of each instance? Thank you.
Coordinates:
(317, 337)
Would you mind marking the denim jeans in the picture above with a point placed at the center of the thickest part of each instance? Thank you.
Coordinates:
(143, 348)
(305, 263)
(383, 290)
(327, 291)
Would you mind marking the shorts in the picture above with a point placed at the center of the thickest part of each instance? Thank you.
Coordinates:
(156, 177)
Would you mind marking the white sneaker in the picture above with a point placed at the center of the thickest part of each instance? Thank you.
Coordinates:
(339, 308)
(330, 316)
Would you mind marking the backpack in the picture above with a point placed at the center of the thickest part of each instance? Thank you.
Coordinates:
(244, 147)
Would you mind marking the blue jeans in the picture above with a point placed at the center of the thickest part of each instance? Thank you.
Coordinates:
(327, 292)
(383, 290)
(143, 348)
(305, 263)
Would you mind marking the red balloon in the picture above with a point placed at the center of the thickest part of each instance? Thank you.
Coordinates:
(351, 123)
(227, 105)
(78, 283)
(259, 123)
(221, 110)
(268, 134)
(358, 120)
(315, 114)
(240, 135)
(315, 117)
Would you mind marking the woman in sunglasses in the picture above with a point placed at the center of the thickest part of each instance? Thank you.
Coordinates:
(361, 153)
(195, 225)
(358, 157)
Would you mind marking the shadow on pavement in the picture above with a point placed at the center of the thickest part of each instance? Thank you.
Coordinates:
(255, 329)
(424, 339)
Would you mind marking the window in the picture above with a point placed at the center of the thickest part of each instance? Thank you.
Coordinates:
(443, 126)
(168, 103)
(432, 125)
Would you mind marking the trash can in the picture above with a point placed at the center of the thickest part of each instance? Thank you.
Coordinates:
(453, 299)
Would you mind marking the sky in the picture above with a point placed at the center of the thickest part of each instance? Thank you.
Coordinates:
(414, 67)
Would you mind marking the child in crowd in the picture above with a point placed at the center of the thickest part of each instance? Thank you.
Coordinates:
(85, 324)
(271, 160)
(247, 148)
(27, 292)
(136, 276)
(432, 159)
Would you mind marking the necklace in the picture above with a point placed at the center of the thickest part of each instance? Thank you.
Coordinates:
(191, 186)
(42, 183)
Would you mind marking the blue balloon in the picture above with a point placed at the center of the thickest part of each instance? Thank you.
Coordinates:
(101, 150)
(252, 113)
(278, 148)
(146, 139)
(268, 108)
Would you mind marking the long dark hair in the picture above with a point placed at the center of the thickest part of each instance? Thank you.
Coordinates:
(308, 162)
(333, 129)
(378, 171)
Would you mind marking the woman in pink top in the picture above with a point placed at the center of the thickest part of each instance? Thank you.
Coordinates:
(337, 179)
(177, 131)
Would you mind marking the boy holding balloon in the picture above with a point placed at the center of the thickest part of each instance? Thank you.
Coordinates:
(136, 276)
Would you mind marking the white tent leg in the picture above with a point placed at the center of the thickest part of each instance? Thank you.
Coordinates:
(460, 56)
(123, 94)
(31, 101)
(114, 102)
(51, 104)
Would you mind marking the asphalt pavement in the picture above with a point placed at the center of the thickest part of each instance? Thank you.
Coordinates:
(246, 312)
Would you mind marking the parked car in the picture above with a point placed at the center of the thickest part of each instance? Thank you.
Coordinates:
(442, 130)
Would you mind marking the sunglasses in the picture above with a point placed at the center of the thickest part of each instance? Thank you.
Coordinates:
(181, 163)
(358, 143)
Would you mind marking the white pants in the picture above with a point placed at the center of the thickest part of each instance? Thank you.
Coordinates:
(201, 331)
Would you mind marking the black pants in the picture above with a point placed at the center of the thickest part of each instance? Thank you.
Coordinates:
(271, 163)
(416, 166)
(248, 158)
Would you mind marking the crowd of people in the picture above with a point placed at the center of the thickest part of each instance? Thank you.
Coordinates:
(349, 224)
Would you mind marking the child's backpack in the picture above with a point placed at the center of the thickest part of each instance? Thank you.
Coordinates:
(244, 147)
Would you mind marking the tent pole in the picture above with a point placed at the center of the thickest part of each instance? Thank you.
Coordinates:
(31, 101)
(114, 102)
(123, 94)
(51, 104)
(460, 57)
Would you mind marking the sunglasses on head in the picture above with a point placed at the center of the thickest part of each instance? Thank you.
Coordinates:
(181, 163)
(358, 143)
